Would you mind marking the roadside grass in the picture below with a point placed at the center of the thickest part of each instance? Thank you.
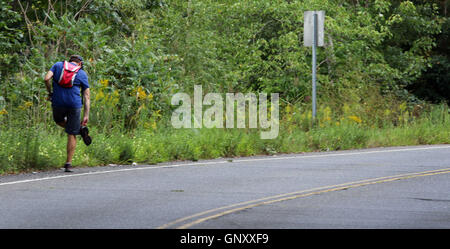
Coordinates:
(41, 148)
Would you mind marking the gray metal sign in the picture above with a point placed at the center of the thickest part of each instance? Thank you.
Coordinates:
(308, 28)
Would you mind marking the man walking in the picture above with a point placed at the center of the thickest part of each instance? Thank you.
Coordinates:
(69, 79)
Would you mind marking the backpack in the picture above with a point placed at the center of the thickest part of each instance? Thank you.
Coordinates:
(68, 74)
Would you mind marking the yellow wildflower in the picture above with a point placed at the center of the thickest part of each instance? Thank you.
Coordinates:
(3, 111)
(26, 105)
(100, 95)
(140, 93)
(104, 83)
(355, 118)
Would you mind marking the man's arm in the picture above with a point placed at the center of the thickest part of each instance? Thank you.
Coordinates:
(47, 79)
(87, 105)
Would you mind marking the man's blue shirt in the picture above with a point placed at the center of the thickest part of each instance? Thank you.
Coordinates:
(68, 97)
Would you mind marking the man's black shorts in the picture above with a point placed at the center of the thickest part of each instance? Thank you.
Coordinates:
(72, 115)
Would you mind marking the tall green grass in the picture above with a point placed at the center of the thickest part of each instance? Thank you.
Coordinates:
(40, 148)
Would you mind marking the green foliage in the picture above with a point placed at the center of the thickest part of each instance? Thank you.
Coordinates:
(10, 39)
(139, 53)
(227, 46)
(434, 83)
(41, 149)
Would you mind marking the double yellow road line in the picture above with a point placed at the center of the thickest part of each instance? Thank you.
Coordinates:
(197, 218)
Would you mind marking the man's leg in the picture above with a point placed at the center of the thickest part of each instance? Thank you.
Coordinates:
(72, 128)
(71, 145)
(60, 116)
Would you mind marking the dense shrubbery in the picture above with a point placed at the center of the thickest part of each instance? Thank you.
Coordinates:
(139, 53)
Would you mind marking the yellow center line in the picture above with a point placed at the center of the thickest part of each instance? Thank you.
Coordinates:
(293, 195)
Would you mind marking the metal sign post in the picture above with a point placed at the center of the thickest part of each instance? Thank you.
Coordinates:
(314, 67)
(313, 36)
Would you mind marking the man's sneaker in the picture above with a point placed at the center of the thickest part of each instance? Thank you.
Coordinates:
(68, 167)
(84, 132)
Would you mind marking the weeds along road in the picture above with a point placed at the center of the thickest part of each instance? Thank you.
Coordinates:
(398, 187)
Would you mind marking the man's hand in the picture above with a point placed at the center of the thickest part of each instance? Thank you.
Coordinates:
(84, 121)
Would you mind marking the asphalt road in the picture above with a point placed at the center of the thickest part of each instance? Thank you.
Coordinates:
(399, 187)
